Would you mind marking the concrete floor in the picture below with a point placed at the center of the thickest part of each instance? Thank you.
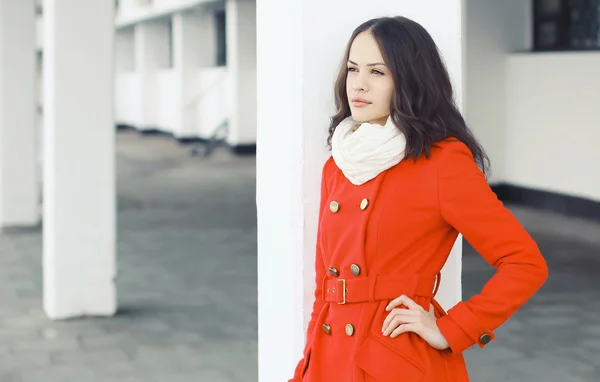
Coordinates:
(187, 284)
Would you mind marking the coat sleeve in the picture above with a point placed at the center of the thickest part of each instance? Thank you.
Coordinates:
(319, 274)
(469, 205)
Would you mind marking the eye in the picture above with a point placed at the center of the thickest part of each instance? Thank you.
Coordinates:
(351, 69)
(378, 72)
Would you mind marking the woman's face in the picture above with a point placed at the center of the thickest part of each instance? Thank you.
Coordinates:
(369, 83)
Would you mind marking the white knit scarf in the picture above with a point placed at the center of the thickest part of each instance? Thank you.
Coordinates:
(364, 153)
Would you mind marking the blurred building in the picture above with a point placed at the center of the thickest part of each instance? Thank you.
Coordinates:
(183, 67)
(531, 93)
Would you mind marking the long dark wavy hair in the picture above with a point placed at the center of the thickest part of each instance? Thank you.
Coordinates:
(423, 106)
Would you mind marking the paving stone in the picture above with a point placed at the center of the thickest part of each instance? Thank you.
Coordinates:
(10, 376)
(96, 356)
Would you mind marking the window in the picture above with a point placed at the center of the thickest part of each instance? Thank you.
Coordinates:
(220, 29)
(566, 25)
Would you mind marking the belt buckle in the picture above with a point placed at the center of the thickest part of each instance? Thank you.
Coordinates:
(344, 290)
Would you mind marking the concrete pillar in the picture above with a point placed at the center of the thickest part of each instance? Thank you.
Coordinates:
(241, 64)
(124, 51)
(297, 63)
(194, 47)
(152, 53)
(19, 189)
(79, 159)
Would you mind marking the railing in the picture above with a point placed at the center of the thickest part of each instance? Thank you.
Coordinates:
(219, 134)
(205, 149)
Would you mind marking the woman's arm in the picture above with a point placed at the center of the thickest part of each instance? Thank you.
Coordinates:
(319, 271)
(468, 204)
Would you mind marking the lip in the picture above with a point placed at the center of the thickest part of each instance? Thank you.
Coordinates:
(359, 102)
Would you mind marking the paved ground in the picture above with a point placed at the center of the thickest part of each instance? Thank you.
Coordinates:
(186, 224)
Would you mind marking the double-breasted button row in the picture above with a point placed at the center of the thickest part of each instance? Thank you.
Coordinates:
(334, 206)
(354, 268)
(349, 329)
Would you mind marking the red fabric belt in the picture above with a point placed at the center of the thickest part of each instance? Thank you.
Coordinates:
(375, 288)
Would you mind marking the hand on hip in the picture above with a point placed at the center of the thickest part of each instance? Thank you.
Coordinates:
(414, 319)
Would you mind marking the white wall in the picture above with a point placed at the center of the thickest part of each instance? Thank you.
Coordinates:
(189, 99)
(19, 193)
(152, 47)
(132, 6)
(493, 29)
(194, 49)
(241, 62)
(211, 110)
(124, 50)
(167, 103)
(39, 29)
(128, 99)
(553, 115)
(514, 101)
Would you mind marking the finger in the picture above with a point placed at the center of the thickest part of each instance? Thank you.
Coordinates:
(399, 321)
(406, 301)
(398, 316)
(404, 328)
(396, 302)
(396, 312)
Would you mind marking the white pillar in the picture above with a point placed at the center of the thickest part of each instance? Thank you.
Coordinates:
(19, 189)
(194, 47)
(124, 51)
(151, 40)
(79, 159)
(297, 63)
(126, 100)
(241, 64)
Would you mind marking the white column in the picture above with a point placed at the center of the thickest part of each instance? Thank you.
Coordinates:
(127, 108)
(241, 64)
(152, 42)
(79, 159)
(297, 63)
(124, 51)
(19, 189)
(194, 47)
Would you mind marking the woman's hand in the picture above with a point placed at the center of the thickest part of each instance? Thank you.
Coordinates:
(414, 319)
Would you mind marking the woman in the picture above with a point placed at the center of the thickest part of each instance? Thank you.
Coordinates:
(405, 177)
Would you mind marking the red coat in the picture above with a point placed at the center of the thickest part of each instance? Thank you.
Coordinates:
(391, 236)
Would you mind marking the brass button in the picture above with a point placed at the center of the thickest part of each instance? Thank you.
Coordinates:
(327, 329)
(364, 204)
(355, 269)
(334, 206)
(485, 339)
(349, 330)
(334, 272)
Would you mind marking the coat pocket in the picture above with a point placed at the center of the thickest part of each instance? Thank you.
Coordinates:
(386, 363)
(305, 364)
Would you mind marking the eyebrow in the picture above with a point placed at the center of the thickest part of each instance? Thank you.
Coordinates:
(373, 64)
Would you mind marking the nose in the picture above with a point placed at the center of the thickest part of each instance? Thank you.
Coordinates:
(359, 84)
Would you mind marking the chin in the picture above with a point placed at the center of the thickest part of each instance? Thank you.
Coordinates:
(360, 117)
